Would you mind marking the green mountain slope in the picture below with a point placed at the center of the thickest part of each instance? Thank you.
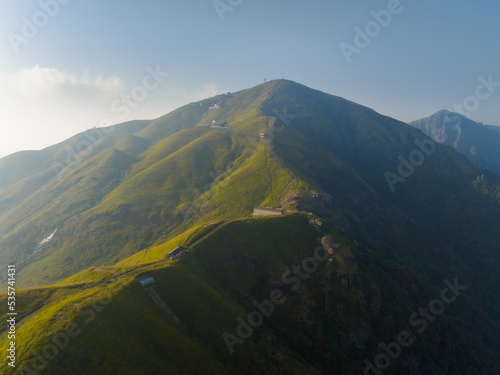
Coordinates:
(426, 213)
(150, 190)
(330, 316)
(436, 220)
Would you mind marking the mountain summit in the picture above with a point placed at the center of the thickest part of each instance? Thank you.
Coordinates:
(143, 236)
(478, 142)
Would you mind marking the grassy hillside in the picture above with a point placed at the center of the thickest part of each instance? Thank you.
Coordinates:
(147, 187)
(146, 182)
(139, 186)
(436, 221)
(327, 323)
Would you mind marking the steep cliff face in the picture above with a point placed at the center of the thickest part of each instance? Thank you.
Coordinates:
(478, 142)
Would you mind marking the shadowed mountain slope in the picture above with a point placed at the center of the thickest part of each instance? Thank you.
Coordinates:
(478, 142)
(122, 196)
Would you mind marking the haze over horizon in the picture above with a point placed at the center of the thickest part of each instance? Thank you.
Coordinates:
(244, 187)
(68, 66)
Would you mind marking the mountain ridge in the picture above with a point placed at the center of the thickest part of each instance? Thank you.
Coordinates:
(211, 288)
(477, 141)
(140, 191)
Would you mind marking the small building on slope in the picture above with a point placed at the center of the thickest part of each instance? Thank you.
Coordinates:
(146, 280)
(263, 211)
(175, 252)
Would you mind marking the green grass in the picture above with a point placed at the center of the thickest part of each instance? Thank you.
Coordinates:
(160, 252)
(214, 284)
(75, 299)
(143, 199)
(150, 186)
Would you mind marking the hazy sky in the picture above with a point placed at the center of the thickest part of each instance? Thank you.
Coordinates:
(69, 65)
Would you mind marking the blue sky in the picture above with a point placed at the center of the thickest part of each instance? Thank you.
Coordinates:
(84, 55)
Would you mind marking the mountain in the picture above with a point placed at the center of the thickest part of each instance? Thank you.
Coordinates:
(478, 142)
(205, 312)
(405, 221)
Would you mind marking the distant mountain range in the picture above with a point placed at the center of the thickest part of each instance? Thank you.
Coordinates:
(478, 142)
(386, 259)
